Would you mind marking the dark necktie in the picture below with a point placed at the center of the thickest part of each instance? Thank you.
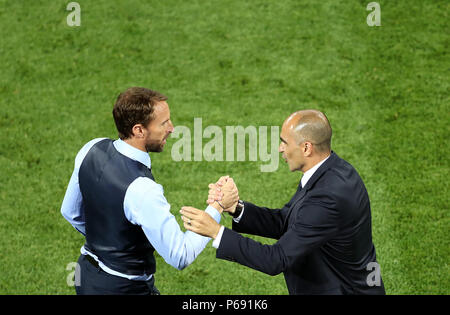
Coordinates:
(299, 185)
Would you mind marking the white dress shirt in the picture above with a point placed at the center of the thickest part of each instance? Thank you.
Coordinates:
(144, 205)
(305, 178)
(309, 173)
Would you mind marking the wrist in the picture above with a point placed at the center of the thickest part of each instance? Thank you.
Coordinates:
(238, 209)
(217, 206)
(216, 232)
(231, 210)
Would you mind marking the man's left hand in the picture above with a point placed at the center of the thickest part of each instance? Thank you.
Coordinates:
(200, 222)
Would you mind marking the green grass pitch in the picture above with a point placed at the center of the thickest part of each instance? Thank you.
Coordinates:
(385, 90)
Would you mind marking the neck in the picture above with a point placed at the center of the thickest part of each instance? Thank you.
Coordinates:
(135, 143)
(314, 161)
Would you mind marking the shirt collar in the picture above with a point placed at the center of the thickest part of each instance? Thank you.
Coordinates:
(132, 152)
(309, 173)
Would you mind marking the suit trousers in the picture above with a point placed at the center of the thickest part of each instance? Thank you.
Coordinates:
(92, 280)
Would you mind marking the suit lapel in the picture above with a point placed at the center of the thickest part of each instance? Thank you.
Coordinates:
(302, 191)
(298, 196)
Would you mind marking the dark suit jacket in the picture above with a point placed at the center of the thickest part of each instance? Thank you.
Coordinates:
(324, 236)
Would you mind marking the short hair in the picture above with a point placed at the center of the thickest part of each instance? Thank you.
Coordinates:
(135, 106)
(313, 126)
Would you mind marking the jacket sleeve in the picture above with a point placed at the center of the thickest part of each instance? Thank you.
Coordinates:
(262, 221)
(316, 222)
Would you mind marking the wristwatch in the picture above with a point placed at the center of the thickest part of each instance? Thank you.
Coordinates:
(238, 209)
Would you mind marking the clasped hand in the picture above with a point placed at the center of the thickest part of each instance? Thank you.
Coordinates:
(224, 196)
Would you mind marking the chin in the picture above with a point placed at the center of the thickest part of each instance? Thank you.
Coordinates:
(155, 149)
(294, 169)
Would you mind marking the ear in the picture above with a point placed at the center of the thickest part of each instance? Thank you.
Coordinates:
(138, 131)
(307, 149)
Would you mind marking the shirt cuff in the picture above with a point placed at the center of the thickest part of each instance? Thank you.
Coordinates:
(216, 242)
(213, 213)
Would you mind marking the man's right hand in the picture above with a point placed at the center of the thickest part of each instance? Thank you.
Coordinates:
(225, 192)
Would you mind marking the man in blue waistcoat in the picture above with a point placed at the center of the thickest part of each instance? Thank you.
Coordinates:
(114, 201)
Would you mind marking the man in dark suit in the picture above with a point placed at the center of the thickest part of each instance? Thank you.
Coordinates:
(324, 232)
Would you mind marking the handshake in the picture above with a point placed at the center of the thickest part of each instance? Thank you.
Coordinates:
(224, 196)
(225, 193)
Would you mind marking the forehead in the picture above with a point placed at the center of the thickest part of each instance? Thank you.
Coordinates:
(161, 110)
(288, 125)
(284, 131)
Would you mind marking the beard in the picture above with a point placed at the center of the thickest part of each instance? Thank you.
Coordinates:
(154, 147)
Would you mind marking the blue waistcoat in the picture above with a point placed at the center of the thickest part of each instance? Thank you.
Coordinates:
(104, 177)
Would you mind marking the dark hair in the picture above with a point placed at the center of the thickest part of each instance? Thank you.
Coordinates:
(135, 106)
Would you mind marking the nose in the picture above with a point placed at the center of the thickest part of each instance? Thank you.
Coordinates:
(171, 127)
(281, 147)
